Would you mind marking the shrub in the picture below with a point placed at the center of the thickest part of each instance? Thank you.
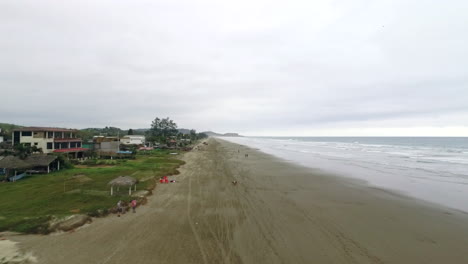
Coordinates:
(37, 225)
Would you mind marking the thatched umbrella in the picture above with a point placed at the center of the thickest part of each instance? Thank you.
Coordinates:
(123, 181)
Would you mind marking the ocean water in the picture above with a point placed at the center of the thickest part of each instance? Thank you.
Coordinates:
(434, 169)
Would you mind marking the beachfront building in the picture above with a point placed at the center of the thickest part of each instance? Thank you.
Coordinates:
(109, 147)
(50, 140)
(133, 140)
(106, 144)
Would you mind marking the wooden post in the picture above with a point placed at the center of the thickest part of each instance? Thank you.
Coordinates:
(58, 165)
(130, 190)
(48, 169)
(112, 190)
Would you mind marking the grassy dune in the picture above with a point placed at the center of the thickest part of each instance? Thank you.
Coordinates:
(27, 205)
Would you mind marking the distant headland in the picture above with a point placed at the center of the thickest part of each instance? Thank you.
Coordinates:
(214, 134)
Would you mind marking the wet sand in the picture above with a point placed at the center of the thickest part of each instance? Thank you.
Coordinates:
(277, 213)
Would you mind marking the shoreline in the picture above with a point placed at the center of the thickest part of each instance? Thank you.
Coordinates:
(277, 213)
(363, 215)
(397, 174)
(343, 179)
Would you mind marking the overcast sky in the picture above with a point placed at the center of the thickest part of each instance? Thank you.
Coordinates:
(257, 67)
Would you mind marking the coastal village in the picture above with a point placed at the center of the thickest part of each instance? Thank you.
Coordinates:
(55, 179)
(40, 148)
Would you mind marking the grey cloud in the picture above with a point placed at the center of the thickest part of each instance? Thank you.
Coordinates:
(242, 65)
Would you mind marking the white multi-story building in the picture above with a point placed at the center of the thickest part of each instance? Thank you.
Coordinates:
(133, 140)
(50, 140)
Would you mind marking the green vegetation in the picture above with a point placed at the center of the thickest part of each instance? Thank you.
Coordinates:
(162, 130)
(88, 133)
(7, 129)
(27, 205)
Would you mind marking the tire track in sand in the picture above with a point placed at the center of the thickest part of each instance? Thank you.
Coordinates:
(190, 220)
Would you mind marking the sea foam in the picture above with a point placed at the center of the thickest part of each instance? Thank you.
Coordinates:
(432, 169)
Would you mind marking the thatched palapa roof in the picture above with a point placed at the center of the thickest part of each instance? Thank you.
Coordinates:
(37, 160)
(123, 181)
(12, 162)
(40, 160)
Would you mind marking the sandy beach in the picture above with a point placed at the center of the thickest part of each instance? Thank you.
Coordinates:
(277, 213)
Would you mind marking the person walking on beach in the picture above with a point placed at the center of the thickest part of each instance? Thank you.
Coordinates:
(119, 208)
(133, 203)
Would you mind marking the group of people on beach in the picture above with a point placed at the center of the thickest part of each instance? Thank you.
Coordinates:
(164, 179)
(121, 206)
(245, 155)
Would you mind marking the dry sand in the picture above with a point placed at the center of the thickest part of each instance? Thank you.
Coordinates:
(277, 213)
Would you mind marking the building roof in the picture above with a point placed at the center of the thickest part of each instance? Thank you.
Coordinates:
(66, 139)
(36, 160)
(40, 159)
(71, 150)
(145, 148)
(47, 129)
(12, 162)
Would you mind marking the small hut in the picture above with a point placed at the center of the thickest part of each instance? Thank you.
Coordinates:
(42, 163)
(14, 163)
(123, 181)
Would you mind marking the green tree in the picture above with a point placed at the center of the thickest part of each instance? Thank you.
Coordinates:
(202, 135)
(130, 132)
(193, 134)
(162, 130)
(23, 151)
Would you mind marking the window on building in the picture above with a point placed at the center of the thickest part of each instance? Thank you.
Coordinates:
(35, 143)
(16, 137)
(73, 145)
(26, 133)
(78, 144)
(49, 145)
(56, 145)
(50, 134)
